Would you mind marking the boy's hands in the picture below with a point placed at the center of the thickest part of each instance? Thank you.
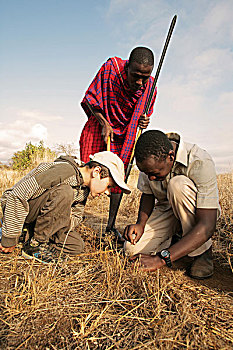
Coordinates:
(6, 249)
(133, 233)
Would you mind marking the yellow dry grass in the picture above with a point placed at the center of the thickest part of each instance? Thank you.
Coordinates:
(99, 301)
(224, 236)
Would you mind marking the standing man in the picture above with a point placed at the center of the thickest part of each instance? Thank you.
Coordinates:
(179, 196)
(118, 95)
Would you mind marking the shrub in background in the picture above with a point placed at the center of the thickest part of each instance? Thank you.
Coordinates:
(68, 149)
(31, 156)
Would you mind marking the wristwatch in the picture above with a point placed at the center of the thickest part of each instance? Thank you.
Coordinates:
(166, 256)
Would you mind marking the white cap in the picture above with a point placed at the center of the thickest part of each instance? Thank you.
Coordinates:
(115, 166)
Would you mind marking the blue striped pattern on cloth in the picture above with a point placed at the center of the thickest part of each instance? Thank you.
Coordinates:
(109, 93)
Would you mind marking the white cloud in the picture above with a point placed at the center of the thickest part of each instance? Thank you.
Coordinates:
(140, 21)
(218, 21)
(225, 103)
(208, 69)
(199, 118)
(38, 115)
(14, 136)
(39, 132)
(195, 85)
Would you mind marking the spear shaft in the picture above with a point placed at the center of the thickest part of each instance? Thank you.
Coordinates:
(147, 107)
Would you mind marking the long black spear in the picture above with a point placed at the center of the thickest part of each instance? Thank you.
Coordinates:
(147, 108)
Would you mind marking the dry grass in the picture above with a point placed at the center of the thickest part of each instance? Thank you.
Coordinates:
(224, 236)
(98, 301)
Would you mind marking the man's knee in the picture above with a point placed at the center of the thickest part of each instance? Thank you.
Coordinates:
(129, 249)
(146, 247)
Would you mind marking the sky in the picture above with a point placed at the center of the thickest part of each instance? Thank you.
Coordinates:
(50, 50)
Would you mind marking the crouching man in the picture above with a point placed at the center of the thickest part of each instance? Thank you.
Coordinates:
(179, 197)
(50, 200)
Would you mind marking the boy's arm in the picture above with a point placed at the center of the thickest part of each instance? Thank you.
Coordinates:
(15, 213)
(16, 209)
(77, 208)
(77, 212)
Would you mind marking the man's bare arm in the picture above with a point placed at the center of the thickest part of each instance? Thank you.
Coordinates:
(143, 121)
(200, 233)
(106, 127)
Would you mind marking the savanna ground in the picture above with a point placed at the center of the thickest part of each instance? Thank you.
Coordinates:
(99, 301)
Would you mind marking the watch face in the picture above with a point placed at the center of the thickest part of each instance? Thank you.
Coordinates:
(165, 253)
(166, 256)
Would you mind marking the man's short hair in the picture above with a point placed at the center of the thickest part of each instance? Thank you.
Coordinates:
(142, 55)
(152, 143)
(104, 170)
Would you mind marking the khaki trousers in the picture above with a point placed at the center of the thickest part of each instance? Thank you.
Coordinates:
(49, 219)
(170, 217)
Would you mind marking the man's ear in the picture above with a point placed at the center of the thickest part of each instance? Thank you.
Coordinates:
(171, 155)
(96, 171)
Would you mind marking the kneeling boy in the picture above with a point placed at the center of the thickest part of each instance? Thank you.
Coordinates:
(50, 201)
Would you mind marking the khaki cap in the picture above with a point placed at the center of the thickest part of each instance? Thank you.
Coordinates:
(115, 166)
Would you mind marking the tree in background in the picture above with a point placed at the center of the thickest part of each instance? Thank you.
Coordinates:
(67, 148)
(31, 156)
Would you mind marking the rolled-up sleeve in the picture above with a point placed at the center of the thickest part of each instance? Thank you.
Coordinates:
(203, 174)
(77, 212)
(143, 184)
(78, 206)
(15, 210)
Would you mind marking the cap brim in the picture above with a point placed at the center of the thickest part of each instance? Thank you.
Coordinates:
(114, 174)
(123, 186)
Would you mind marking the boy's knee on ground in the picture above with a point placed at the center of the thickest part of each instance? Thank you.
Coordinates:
(78, 247)
(73, 244)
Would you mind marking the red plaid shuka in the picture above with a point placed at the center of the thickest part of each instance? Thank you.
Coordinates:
(109, 93)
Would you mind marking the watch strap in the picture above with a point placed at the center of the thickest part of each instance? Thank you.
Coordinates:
(167, 258)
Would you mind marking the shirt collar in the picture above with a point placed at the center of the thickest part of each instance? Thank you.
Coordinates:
(181, 154)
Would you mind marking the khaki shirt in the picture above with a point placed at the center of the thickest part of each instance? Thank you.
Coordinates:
(197, 165)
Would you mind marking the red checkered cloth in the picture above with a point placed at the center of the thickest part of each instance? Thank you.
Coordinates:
(110, 94)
